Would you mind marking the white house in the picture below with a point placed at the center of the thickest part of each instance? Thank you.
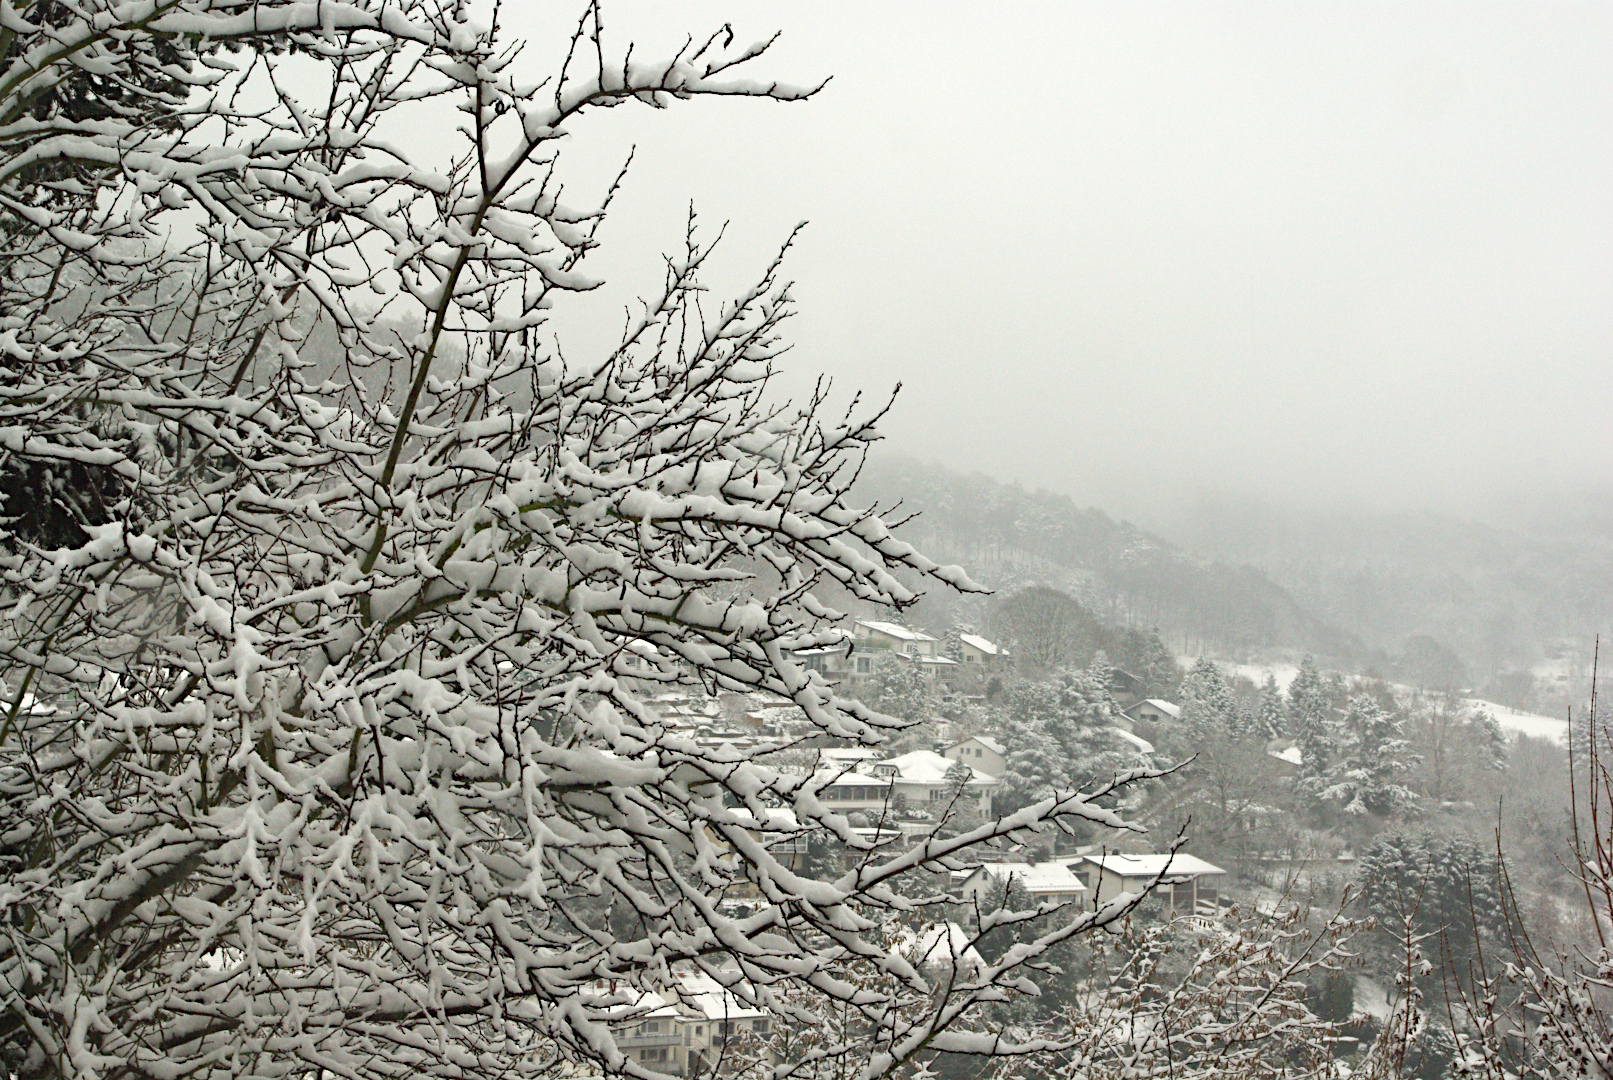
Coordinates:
(941, 948)
(685, 1029)
(977, 650)
(1154, 711)
(1056, 881)
(864, 790)
(895, 637)
(1184, 881)
(981, 752)
(921, 778)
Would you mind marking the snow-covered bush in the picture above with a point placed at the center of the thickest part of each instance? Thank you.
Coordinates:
(345, 777)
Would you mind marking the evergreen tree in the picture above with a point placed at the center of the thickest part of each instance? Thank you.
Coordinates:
(1310, 720)
(1271, 723)
(1209, 705)
(1373, 756)
(1059, 737)
(897, 687)
(1145, 655)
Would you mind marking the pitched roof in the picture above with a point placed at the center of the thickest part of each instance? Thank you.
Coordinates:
(895, 630)
(941, 944)
(1162, 705)
(928, 767)
(978, 642)
(1149, 866)
(1047, 877)
(1142, 744)
(984, 740)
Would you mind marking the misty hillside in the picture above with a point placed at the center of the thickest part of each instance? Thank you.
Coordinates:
(1007, 536)
(1519, 603)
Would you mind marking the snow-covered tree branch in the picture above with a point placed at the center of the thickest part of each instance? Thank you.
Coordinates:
(327, 581)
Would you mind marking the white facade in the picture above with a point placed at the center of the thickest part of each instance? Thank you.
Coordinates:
(980, 752)
(895, 637)
(1054, 881)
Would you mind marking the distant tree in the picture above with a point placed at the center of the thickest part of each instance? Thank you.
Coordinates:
(956, 780)
(1373, 760)
(1271, 721)
(1048, 630)
(1459, 748)
(896, 687)
(1430, 664)
(1209, 705)
(1310, 720)
(1442, 883)
(1059, 738)
(1144, 655)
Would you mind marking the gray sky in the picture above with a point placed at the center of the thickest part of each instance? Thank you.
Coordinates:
(1133, 252)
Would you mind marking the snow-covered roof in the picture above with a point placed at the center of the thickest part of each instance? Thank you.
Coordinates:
(984, 740)
(1149, 866)
(840, 757)
(1039, 878)
(941, 944)
(895, 630)
(861, 779)
(1140, 743)
(710, 999)
(1293, 755)
(1163, 706)
(978, 642)
(943, 661)
(928, 767)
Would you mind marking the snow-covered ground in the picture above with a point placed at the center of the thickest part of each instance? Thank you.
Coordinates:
(1531, 724)
(1256, 673)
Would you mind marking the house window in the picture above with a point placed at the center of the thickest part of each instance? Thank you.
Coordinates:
(651, 1027)
(864, 665)
(761, 1027)
(653, 1053)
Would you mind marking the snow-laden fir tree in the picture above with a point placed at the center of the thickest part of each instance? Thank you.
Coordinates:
(322, 754)
(1373, 757)
(1310, 720)
(1271, 721)
(1209, 703)
(1059, 736)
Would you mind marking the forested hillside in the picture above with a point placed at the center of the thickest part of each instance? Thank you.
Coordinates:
(1007, 536)
(1518, 601)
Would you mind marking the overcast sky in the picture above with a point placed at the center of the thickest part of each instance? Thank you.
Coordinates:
(1134, 252)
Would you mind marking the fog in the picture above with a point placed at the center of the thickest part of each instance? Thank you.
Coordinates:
(1137, 253)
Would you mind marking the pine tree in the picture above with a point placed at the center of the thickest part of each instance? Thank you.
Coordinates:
(1271, 723)
(1310, 720)
(1373, 756)
(1208, 704)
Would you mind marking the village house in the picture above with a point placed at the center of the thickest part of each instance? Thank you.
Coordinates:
(895, 637)
(1125, 687)
(974, 649)
(1153, 711)
(981, 752)
(920, 777)
(1184, 882)
(685, 1031)
(1055, 881)
(862, 789)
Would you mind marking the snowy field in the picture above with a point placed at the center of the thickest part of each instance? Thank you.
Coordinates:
(1531, 724)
